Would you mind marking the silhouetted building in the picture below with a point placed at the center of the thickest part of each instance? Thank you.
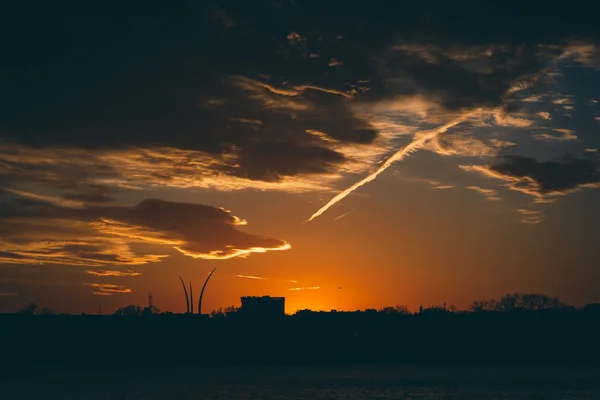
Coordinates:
(262, 307)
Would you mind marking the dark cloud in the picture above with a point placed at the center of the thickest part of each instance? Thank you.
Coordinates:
(153, 80)
(204, 231)
(90, 198)
(552, 176)
(462, 77)
(161, 75)
(292, 160)
(34, 231)
(545, 178)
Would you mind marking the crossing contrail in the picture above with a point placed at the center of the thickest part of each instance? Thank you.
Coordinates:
(418, 141)
(343, 215)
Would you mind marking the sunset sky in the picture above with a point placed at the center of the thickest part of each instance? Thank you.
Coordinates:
(344, 155)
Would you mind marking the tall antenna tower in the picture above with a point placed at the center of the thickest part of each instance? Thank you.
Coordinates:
(150, 304)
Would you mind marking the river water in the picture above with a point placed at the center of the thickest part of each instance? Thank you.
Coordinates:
(295, 383)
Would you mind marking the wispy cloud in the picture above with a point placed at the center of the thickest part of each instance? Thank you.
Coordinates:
(113, 273)
(504, 119)
(306, 288)
(532, 99)
(8, 294)
(334, 62)
(460, 145)
(490, 194)
(343, 215)
(251, 277)
(544, 115)
(292, 91)
(59, 201)
(563, 100)
(102, 170)
(107, 289)
(530, 217)
(567, 134)
(501, 144)
(295, 38)
(254, 277)
(321, 135)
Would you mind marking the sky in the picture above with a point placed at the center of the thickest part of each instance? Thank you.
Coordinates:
(344, 155)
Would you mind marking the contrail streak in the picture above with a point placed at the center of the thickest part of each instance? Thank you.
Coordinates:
(343, 215)
(260, 278)
(250, 277)
(419, 140)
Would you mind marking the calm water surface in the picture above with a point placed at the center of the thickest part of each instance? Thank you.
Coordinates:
(290, 383)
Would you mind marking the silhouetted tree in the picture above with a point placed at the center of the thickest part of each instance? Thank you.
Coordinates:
(29, 309)
(537, 302)
(152, 310)
(435, 309)
(397, 310)
(129, 310)
(47, 311)
(219, 312)
(510, 302)
(483, 305)
(518, 301)
(222, 312)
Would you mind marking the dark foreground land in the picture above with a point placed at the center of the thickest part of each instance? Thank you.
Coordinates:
(514, 338)
(477, 356)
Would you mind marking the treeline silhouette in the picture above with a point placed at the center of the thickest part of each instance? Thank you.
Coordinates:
(510, 302)
(518, 328)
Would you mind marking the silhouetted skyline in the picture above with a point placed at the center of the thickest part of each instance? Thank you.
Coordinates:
(267, 306)
(518, 329)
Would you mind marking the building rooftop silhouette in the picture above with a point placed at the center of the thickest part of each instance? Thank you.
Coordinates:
(262, 307)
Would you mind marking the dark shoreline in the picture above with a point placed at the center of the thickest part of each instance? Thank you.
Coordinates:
(562, 339)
